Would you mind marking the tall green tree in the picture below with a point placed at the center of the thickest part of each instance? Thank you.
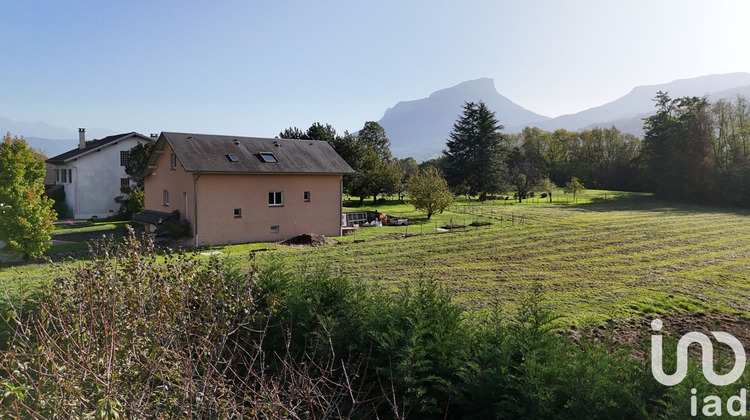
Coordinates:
(476, 151)
(677, 148)
(26, 215)
(429, 192)
(375, 177)
(373, 136)
(317, 131)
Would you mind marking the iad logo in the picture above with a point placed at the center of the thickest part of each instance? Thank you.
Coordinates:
(707, 351)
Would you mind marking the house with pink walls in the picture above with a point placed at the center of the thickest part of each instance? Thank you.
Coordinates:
(234, 189)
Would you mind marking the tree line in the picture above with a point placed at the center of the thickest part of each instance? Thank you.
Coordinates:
(692, 150)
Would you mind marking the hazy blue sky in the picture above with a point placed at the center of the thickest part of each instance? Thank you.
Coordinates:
(256, 67)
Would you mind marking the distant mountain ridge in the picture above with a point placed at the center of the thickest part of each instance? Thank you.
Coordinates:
(420, 128)
(47, 138)
(414, 126)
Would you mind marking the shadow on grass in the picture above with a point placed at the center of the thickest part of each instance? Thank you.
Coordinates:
(649, 203)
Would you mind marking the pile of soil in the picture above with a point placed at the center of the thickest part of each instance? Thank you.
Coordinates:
(308, 239)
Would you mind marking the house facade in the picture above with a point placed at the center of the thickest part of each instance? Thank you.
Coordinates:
(94, 173)
(235, 189)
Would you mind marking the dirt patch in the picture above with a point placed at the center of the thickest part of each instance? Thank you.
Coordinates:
(308, 239)
(633, 332)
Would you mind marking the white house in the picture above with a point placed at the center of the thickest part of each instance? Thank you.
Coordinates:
(94, 173)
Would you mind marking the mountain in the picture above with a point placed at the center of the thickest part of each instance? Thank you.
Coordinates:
(46, 138)
(634, 124)
(420, 128)
(51, 147)
(626, 113)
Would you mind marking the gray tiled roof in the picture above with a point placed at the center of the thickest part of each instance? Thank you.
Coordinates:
(92, 146)
(209, 154)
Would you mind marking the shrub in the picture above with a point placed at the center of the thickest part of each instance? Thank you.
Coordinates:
(59, 206)
(135, 334)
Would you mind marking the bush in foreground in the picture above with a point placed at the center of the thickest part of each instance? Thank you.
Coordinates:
(134, 335)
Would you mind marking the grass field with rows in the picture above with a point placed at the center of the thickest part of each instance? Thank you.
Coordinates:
(628, 256)
(609, 256)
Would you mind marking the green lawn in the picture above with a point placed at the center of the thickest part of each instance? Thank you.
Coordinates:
(612, 255)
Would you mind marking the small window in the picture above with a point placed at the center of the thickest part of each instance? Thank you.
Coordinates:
(124, 182)
(268, 157)
(232, 157)
(165, 195)
(124, 157)
(237, 212)
(306, 195)
(173, 159)
(275, 229)
(275, 198)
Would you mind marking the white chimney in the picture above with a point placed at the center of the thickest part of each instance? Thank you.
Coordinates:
(81, 138)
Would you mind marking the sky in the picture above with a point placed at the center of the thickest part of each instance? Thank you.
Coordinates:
(254, 68)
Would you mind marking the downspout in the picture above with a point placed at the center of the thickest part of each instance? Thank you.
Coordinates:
(341, 205)
(195, 206)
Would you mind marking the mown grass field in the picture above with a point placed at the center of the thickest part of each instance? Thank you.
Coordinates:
(626, 255)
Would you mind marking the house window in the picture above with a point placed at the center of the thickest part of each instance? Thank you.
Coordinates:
(124, 183)
(237, 212)
(306, 195)
(275, 229)
(165, 195)
(173, 161)
(232, 157)
(268, 157)
(124, 157)
(275, 198)
(64, 176)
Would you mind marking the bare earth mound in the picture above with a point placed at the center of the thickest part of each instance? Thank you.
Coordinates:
(308, 239)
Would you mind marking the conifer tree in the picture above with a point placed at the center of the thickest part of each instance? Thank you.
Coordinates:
(477, 151)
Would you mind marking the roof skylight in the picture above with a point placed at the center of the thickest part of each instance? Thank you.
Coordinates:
(232, 157)
(268, 157)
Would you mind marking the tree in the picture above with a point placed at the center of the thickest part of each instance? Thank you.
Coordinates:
(132, 201)
(429, 192)
(372, 135)
(408, 167)
(548, 187)
(677, 148)
(476, 151)
(574, 187)
(136, 165)
(317, 131)
(374, 177)
(293, 133)
(27, 215)
(524, 177)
